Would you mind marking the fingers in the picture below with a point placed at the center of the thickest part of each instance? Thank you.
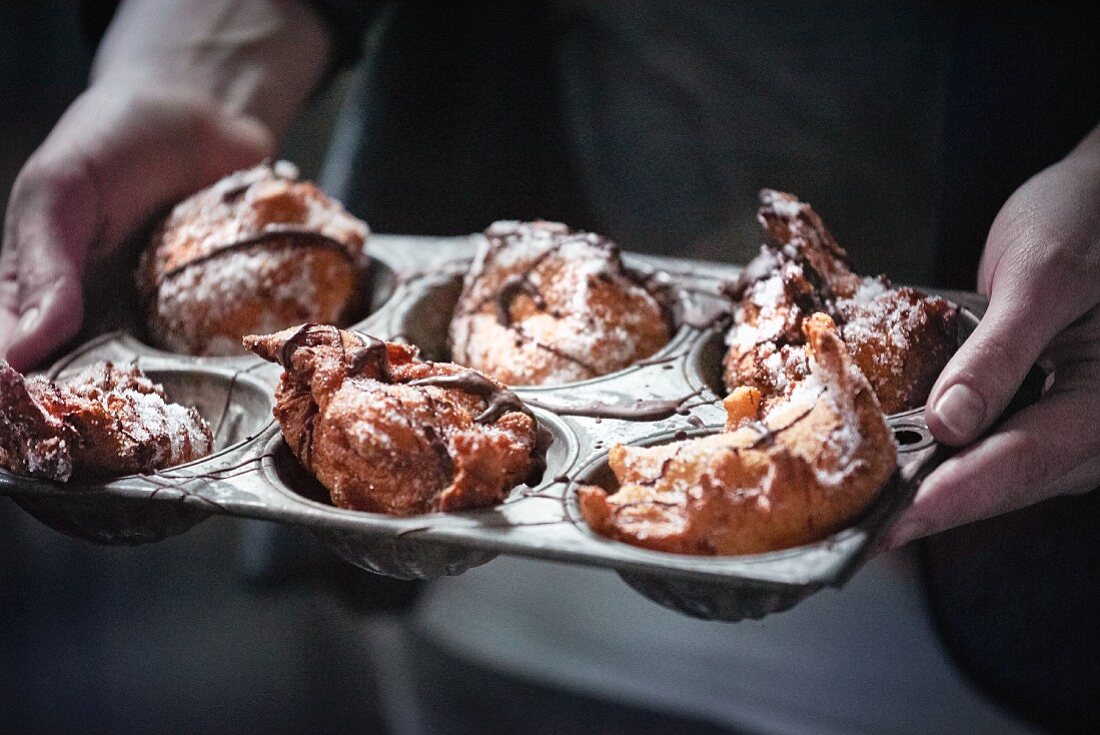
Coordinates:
(110, 164)
(51, 317)
(1048, 449)
(44, 252)
(9, 298)
(1038, 285)
(983, 375)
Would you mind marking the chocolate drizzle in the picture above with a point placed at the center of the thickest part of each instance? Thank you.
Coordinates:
(300, 338)
(515, 285)
(498, 400)
(521, 333)
(641, 410)
(820, 296)
(295, 235)
(306, 335)
(518, 284)
(442, 453)
(234, 193)
(374, 354)
(759, 268)
(496, 242)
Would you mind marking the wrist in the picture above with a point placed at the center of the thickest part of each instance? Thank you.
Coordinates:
(126, 109)
(259, 58)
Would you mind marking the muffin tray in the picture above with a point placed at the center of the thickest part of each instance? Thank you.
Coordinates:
(415, 283)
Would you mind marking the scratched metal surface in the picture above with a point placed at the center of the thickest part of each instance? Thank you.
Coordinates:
(415, 283)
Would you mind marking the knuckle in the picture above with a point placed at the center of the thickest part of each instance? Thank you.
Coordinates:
(1045, 251)
(33, 179)
(1029, 468)
(1069, 266)
(999, 367)
(197, 118)
(48, 184)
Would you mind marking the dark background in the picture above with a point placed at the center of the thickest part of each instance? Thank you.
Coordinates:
(187, 635)
(193, 634)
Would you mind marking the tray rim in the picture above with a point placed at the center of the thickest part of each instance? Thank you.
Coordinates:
(396, 252)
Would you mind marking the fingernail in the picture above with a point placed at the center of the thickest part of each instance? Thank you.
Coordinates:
(961, 409)
(28, 320)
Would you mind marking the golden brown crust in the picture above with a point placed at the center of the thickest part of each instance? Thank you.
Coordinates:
(256, 252)
(386, 433)
(793, 225)
(106, 421)
(807, 469)
(901, 338)
(545, 305)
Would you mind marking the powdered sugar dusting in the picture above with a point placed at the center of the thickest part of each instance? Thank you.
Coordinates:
(174, 433)
(253, 290)
(591, 318)
(247, 244)
(900, 338)
(870, 288)
(105, 420)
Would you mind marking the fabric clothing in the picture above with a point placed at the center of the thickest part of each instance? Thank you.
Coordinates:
(655, 122)
(864, 659)
(458, 696)
(905, 124)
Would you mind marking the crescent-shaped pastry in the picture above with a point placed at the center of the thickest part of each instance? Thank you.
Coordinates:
(900, 338)
(774, 479)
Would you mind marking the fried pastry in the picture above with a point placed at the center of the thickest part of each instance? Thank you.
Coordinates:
(386, 433)
(545, 305)
(776, 478)
(900, 338)
(106, 421)
(256, 252)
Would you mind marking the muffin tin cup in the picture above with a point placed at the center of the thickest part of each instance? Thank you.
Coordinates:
(677, 392)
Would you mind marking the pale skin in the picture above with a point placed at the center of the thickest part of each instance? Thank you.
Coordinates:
(183, 93)
(1041, 271)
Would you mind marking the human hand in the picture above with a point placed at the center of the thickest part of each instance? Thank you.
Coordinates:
(182, 94)
(1041, 272)
(116, 157)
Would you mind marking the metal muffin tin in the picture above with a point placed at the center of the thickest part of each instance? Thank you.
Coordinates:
(415, 284)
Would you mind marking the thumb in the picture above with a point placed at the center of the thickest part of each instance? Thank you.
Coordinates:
(985, 373)
(1035, 292)
(1041, 269)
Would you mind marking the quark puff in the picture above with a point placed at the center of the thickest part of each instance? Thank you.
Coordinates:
(108, 420)
(386, 433)
(544, 305)
(256, 252)
(900, 338)
(781, 475)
